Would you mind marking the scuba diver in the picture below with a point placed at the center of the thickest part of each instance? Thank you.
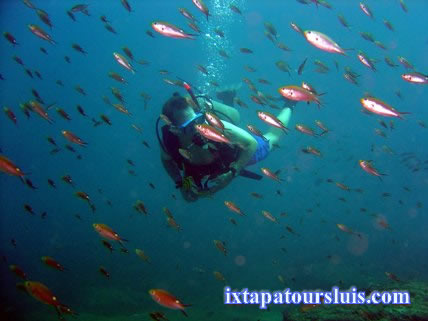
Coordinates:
(200, 167)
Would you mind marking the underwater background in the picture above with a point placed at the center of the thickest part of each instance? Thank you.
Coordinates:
(390, 214)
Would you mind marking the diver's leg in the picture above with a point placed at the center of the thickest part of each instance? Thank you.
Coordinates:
(226, 112)
(274, 134)
(227, 94)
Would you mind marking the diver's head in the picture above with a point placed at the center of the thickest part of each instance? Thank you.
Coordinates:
(181, 114)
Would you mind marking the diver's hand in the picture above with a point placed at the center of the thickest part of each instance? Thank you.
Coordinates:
(221, 181)
(188, 194)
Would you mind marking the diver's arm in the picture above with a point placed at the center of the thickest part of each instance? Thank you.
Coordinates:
(171, 168)
(173, 171)
(226, 112)
(247, 145)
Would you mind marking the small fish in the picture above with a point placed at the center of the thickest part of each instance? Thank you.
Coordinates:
(379, 107)
(283, 66)
(49, 261)
(219, 276)
(10, 38)
(415, 78)
(366, 61)
(366, 10)
(403, 6)
(18, 271)
(140, 207)
(29, 4)
(282, 46)
(273, 175)
(305, 130)
(232, 206)
(211, 133)
(142, 255)
(297, 93)
(78, 48)
(9, 113)
(302, 65)
(30, 184)
(235, 9)
(246, 50)
(221, 246)
(106, 232)
(104, 272)
(311, 150)
(271, 120)
(213, 120)
(128, 52)
(269, 216)
(343, 21)
(323, 42)
(8, 167)
(169, 30)
(322, 126)
(368, 167)
(296, 28)
(388, 24)
(110, 28)
(202, 7)
(187, 14)
(256, 132)
(126, 5)
(39, 32)
(173, 223)
(168, 300)
(123, 62)
(40, 292)
(73, 138)
(346, 229)
(117, 77)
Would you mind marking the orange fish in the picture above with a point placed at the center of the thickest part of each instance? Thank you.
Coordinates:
(211, 133)
(8, 167)
(269, 216)
(38, 109)
(368, 167)
(73, 138)
(39, 32)
(41, 293)
(379, 107)
(271, 120)
(18, 271)
(346, 229)
(232, 206)
(214, 121)
(167, 300)
(52, 263)
(106, 232)
(173, 223)
(221, 246)
(297, 93)
(9, 113)
(271, 174)
(305, 130)
(322, 126)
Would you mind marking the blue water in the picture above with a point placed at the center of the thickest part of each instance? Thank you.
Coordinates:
(312, 204)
